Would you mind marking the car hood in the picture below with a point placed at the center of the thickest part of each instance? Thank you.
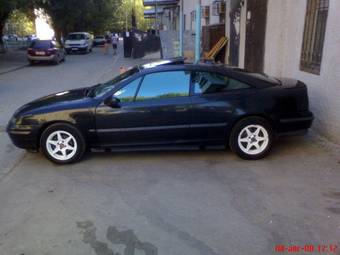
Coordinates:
(60, 100)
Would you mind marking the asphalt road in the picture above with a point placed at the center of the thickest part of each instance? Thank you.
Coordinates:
(162, 201)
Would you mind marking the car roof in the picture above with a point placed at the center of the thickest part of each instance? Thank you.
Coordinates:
(259, 80)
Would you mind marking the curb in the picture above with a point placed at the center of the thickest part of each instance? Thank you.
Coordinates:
(14, 69)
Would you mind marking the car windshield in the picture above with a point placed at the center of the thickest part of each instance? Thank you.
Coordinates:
(76, 37)
(101, 89)
(41, 44)
(100, 37)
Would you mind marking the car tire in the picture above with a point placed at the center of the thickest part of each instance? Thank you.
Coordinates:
(56, 61)
(31, 62)
(251, 138)
(62, 143)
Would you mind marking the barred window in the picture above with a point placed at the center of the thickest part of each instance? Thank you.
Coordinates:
(314, 35)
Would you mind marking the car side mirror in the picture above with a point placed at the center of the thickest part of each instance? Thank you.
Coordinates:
(112, 102)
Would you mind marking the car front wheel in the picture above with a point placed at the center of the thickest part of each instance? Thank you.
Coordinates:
(251, 138)
(62, 143)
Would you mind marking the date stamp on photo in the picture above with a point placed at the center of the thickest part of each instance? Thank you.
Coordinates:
(307, 248)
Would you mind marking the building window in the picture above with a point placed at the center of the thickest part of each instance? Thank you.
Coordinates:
(314, 35)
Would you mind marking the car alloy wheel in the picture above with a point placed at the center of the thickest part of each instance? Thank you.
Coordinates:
(253, 139)
(61, 145)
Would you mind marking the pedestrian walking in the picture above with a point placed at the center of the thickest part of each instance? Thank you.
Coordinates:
(107, 43)
(114, 41)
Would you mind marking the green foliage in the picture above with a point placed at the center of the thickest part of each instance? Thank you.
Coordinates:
(6, 8)
(20, 23)
(123, 15)
(95, 16)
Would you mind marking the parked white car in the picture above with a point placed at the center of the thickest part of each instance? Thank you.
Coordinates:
(99, 40)
(79, 42)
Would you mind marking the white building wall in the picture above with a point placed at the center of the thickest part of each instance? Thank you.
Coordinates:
(243, 23)
(190, 5)
(284, 34)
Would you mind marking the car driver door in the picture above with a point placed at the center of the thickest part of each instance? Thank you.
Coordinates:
(151, 110)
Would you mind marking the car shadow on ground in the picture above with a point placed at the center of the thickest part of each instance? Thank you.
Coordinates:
(284, 148)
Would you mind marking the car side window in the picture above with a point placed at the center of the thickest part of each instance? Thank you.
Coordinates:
(209, 82)
(164, 85)
(128, 92)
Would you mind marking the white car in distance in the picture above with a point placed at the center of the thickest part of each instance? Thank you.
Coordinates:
(79, 42)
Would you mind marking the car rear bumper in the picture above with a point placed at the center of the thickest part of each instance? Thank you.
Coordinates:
(24, 136)
(42, 58)
(302, 121)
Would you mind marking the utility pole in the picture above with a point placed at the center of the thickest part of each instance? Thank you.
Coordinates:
(181, 28)
(198, 32)
(126, 20)
(156, 16)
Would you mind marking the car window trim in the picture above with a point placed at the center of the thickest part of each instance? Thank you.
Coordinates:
(137, 89)
(120, 85)
(164, 71)
(217, 93)
(123, 84)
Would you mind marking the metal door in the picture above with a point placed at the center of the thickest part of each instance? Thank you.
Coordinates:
(255, 35)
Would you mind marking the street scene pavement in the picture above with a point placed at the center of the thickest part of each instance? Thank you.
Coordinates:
(159, 201)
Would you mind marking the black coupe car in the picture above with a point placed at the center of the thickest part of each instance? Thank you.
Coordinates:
(165, 103)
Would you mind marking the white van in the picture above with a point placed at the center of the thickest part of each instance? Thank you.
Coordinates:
(79, 42)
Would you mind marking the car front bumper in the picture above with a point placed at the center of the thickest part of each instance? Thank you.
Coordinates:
(24, 136)
(98, 42)
(76, 48)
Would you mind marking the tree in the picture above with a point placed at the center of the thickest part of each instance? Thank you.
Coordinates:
(6, 8)
(123, 15)
(21, 23)
(79, 15)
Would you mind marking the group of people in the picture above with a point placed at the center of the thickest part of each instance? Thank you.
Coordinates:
(111, 39)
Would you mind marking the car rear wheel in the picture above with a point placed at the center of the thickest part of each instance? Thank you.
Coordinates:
(251, 138)
(62, 143)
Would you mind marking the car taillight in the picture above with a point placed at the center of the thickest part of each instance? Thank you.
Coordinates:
(30, 51)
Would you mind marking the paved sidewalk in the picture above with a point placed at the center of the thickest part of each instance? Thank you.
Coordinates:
(12, 60)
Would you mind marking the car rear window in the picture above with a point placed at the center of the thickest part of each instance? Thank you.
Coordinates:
(40, 44)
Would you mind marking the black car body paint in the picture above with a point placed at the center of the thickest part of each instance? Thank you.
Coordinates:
(193, 119)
